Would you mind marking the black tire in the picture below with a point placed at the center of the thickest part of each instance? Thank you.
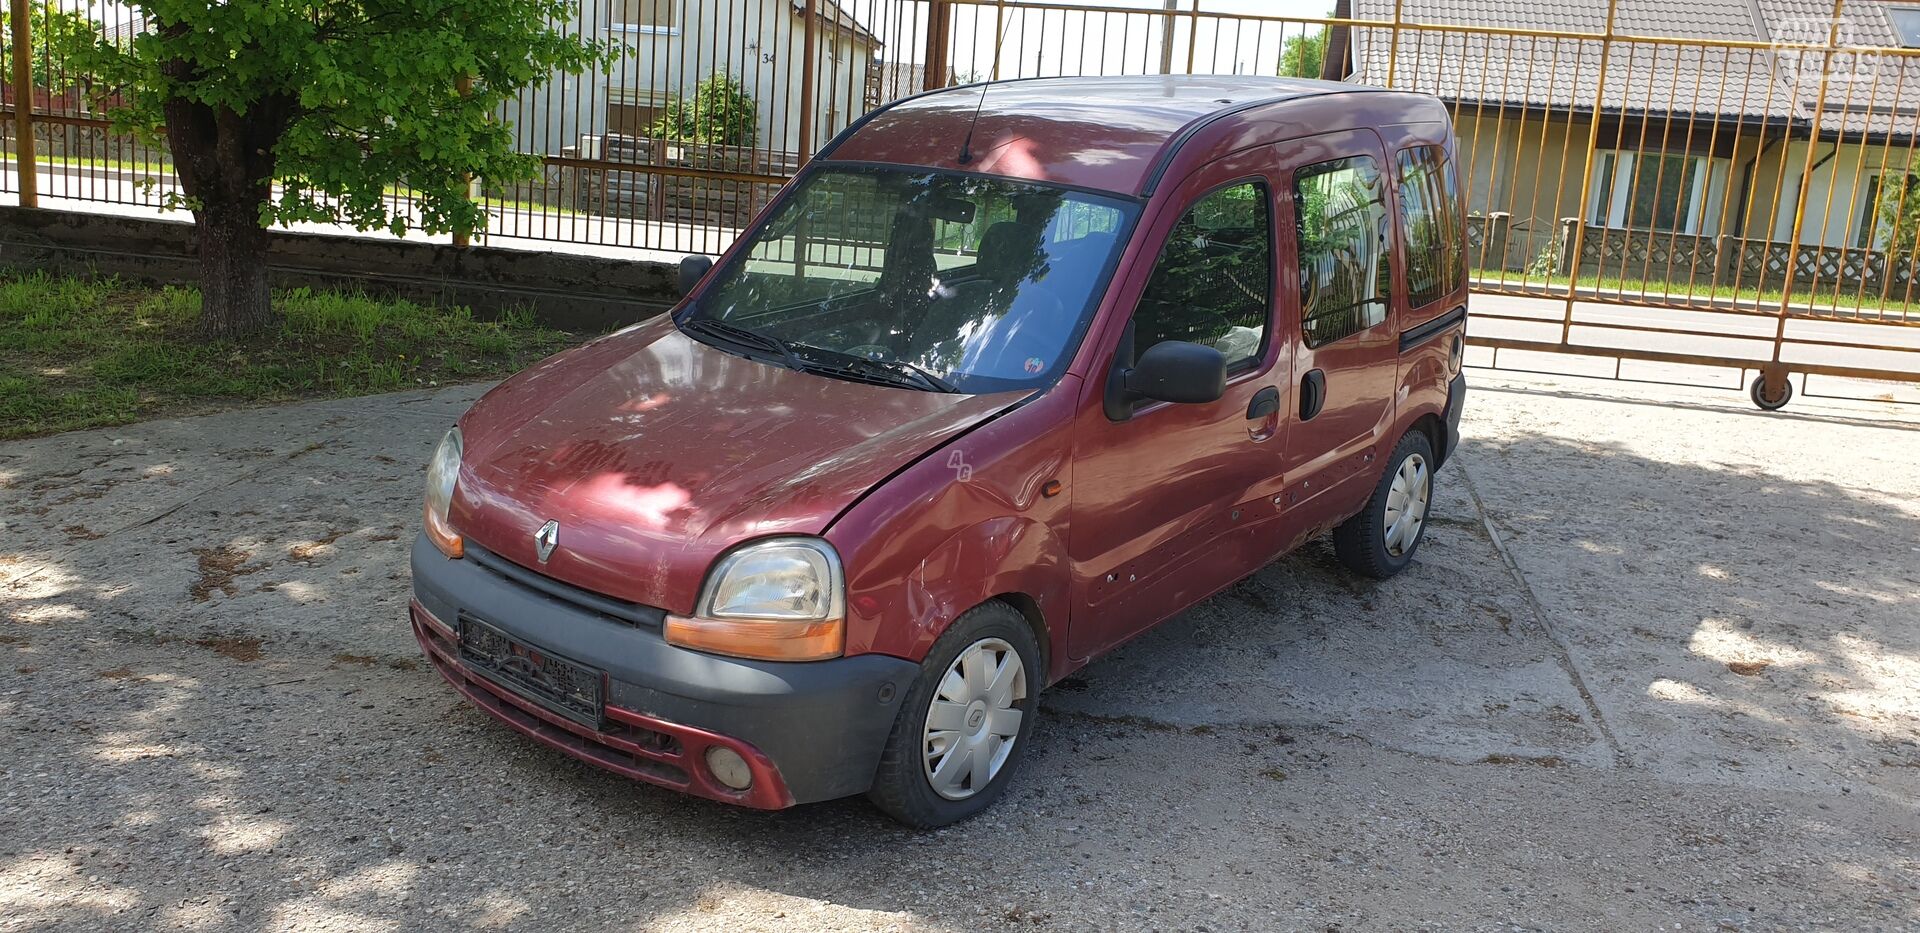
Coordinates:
(1759, 394)
(901, 786)
(1361, 541)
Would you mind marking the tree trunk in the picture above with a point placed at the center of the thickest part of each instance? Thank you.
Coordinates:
(225, 161)
(234, 298)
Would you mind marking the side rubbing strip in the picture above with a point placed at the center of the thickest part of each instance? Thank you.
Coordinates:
(1416, 336)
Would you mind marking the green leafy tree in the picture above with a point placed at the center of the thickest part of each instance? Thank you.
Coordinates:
(719, 112)
(1301, 56)
(1897, 215)
(281, 111)
(58, 36)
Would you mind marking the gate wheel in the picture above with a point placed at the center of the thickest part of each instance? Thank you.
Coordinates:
(1759, 394)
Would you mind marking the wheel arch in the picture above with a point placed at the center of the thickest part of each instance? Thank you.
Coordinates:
(1029, 608)
(1436, 430)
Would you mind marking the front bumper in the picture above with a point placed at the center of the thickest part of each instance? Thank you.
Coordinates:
(808, 731)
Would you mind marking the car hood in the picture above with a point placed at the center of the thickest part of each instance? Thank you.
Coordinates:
(655, 453)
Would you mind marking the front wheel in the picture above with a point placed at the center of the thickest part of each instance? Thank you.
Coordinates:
(1379, 542)
(966, 723)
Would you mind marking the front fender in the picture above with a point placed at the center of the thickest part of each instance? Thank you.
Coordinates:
(969, 521)
(1004, 555)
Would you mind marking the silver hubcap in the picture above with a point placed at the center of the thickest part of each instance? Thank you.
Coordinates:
(1407, 504)
(972, 723)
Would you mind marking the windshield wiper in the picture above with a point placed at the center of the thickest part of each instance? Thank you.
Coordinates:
(911, 371)
(897, 372)
(741, 335)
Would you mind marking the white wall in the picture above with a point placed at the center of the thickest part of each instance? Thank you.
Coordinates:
(558, 113)
(757, 41)
(1836, 198)
(760, 42)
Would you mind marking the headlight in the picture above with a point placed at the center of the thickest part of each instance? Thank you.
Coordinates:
(782, 599)
(443, 471)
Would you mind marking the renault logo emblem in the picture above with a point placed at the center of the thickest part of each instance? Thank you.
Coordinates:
(546, 539)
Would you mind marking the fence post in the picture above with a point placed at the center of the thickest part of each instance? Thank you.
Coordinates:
(463, 237)
(939, 36)
(1166, 36)
(19, 19)
(1774, 376)
(809, 61)
(1193, 34)
(1393, 47)
(1586, 174)
(1000, 33)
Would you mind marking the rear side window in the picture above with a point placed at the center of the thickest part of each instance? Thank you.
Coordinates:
(1430, 225)
(1340, 227)
(1213, 282)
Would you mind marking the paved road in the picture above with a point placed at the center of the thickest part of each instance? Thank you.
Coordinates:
(1733, 336)
(1655, 668)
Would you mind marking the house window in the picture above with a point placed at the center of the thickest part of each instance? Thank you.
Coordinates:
(1213, 282)
(1430, 225)
(1906, 23)
(1340, 231)
(1649, 191)
(1882, 207)
(646, 15)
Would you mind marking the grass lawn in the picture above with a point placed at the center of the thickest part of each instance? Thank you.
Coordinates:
(1822, 298)
(82, 353)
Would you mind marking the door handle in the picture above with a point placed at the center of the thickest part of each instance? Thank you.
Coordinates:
(1313, 394)
(1265, 403)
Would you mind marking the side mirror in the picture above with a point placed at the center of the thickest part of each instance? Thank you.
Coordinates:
(1178, 371)
(692, 270)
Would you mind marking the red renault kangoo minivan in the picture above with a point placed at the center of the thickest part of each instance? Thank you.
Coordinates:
(1008, 374)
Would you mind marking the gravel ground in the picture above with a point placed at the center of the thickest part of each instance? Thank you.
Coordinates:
(1656, 668)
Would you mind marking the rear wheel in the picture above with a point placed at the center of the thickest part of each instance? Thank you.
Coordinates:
(1379, 542)
(964, 727)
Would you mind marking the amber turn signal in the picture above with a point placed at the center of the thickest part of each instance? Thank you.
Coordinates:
(443, 536)
(814, 640)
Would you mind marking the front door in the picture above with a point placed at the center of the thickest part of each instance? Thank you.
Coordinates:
(1161, 493)
(1340, 259)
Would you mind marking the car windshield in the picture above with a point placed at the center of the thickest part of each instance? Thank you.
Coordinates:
(925, 279)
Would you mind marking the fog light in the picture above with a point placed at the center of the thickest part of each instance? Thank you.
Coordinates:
(728, 767)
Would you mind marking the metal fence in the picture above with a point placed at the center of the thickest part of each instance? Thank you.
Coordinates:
(1636, 188)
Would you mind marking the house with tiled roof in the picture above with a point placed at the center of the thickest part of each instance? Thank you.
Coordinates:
(1702, 151)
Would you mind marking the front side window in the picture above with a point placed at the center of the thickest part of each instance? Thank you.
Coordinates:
(1430, 225)
(1213, 282)
(1340, 229)
(986, 284)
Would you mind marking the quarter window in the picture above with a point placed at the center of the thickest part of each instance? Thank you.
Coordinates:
(1340, 227)
(1430, 225)
(1213, 282)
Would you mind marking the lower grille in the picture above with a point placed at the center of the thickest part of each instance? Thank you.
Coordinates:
(633, 760)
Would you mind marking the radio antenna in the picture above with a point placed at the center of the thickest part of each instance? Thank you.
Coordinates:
(966, 145)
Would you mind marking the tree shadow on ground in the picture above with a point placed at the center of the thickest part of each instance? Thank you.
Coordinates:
(1734, 627)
